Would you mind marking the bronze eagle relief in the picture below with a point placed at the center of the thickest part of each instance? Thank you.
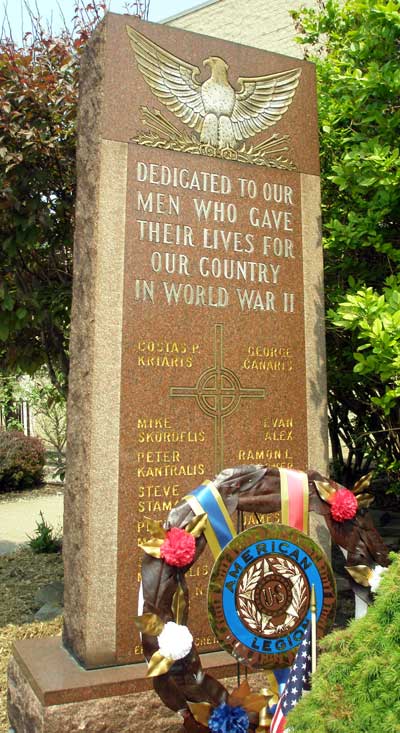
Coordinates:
(220, 117)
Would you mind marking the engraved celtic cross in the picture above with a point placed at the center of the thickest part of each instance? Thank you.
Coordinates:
(218, 394)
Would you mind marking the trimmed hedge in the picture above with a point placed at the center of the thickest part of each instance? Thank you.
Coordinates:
(356, 688)
(22, 461)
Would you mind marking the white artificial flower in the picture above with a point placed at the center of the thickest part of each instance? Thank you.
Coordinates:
(376, 577)
(175, 641)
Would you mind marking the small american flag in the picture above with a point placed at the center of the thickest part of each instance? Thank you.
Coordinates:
(298, 682)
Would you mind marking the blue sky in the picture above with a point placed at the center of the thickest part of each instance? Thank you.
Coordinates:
(50, 11)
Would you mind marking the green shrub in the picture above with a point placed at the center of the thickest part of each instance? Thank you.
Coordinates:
(356, 688)
(45, 538)
(21, 461)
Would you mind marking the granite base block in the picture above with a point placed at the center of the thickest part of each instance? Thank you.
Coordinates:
(48, 692)
(116, 714)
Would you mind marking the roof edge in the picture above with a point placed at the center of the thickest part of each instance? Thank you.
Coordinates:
(189, 11)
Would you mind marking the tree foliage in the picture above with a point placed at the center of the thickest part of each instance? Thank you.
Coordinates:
(38, 108)
(37, 152)
(356, 47)
(50, 417)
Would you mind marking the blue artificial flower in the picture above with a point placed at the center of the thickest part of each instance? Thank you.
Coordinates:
(228, 719)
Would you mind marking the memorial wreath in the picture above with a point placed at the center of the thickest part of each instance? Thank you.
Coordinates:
(280, 580)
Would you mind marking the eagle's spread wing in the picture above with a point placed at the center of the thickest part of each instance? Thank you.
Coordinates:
(171, 79)
(261, 101)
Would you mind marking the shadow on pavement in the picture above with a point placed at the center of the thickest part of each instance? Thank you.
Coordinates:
(7, 548)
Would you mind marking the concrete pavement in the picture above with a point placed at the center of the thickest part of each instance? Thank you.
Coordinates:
(18, 518)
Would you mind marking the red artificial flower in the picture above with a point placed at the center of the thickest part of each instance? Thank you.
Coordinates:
(343, 505)
(178, 548)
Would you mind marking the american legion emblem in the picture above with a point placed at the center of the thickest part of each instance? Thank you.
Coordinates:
(260, 591)
(219, 117)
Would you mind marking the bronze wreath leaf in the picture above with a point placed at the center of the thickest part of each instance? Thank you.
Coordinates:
(362, 483)
(360, 573)
(152, 546)
(365, 500)
(325, 490)
(155, 528)
(197, 526)
(149, 623)
(254, 702)
(178, 605)
(201, 712)
(250, 701)
(159, 665)
(239, 694)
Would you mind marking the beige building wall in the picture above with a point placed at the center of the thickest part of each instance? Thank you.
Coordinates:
(265, 24)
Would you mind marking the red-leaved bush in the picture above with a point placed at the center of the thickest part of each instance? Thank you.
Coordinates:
(21, 461)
